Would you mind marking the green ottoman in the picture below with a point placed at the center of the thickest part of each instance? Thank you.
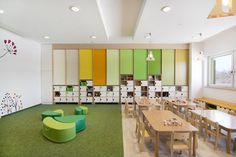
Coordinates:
(50, 114)
(59, 111)
(84, 109)
(79, 120)
(58, 132)
(78, 111)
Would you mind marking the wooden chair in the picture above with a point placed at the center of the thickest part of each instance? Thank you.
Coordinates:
(129, 110)
(197, 121)
(233, 113)
(213, 129)
(181, 141)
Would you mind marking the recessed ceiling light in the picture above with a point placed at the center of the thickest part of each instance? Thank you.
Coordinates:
(46, 37)
(1, 11)
(93, 37)
(166, 9)
(197, 37)
(74, 9)
(148, 36)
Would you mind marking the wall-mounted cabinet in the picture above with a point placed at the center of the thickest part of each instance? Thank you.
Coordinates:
(140, 64)
(86, 64)
(181, 67)
(113, 67)
(59, 67)
(168, 67)
(126, 61)
(99, 67)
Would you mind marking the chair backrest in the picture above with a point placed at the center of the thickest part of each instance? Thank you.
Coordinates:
(233, 113)
(212, 127)
(196, 119)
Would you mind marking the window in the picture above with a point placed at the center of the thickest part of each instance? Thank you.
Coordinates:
(221, 70)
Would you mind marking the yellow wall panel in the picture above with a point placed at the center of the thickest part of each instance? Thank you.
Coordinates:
(86, 64)
(181, 67)
(99, 67)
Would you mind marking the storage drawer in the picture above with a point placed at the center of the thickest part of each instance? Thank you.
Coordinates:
(97, 88)
(83, 88)
(83, 99)
(75, 99)
(90, 99)
(110, 94)
(116, 89)
(144, 83)
(137, 94)
(130, 88)
(158, 83)
(57, 99)
(151, 88)
(97, 99)
(151, 94)
(123, 94)
(56, 88)
(89, 83)
(103, 88)
(63, 99)
(137, 88)
(123, 88)
(165, 88)
(130, 83)
(103, 99)
(62, 88)
(172, 88)
(184, 88)
(76, 88)
(103, 94)
(83, 94)
(63, 94)
(110, 99)
(116, 94)
(116, 99)
(158, 89)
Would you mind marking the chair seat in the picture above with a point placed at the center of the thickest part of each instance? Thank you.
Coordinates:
(50, 114)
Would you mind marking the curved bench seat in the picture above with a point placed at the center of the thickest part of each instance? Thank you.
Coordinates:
(57, 131)
(81, 110)
(50, 114)
(79, 120)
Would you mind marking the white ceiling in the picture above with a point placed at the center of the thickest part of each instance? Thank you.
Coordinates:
(112, 21)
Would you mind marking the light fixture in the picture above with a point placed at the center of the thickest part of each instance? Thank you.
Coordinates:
(74, 9)
(93, 37)
(46, 37)
(200, 56)
(197, 36)
(1, 11)
(166, 9)
(150, 56)
(223, 8)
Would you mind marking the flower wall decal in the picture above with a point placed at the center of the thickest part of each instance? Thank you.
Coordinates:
(10, 48)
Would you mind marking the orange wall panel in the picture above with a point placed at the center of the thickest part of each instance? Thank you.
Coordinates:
(99, 67)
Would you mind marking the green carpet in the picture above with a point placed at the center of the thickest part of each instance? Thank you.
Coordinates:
(20, 134)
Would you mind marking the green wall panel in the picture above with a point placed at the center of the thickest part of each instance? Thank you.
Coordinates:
(140, 64)
(126, 61)
(112, 67)
(168, 67)
(154, 67)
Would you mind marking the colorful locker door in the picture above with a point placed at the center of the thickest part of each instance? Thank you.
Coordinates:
(168, 67)
(112, 67)
(140, 64)
(99, 67)
(126, 61)
(86, 64)
(181, 67)
(154, 67)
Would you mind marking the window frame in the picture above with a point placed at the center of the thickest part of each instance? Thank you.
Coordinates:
(210, 57)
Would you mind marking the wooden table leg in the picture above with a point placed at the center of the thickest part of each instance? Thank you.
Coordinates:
(194, 143)
(157, 145)
(228, 143)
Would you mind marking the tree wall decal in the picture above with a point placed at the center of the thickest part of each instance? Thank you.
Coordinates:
(10, 104)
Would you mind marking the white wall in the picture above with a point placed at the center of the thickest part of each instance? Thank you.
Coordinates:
(221, 42)
(196, 75)
(46, 60)
(21, 73)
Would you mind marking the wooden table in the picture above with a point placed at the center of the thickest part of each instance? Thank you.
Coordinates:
(156, 118)
(226, 121)
(182, 104)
